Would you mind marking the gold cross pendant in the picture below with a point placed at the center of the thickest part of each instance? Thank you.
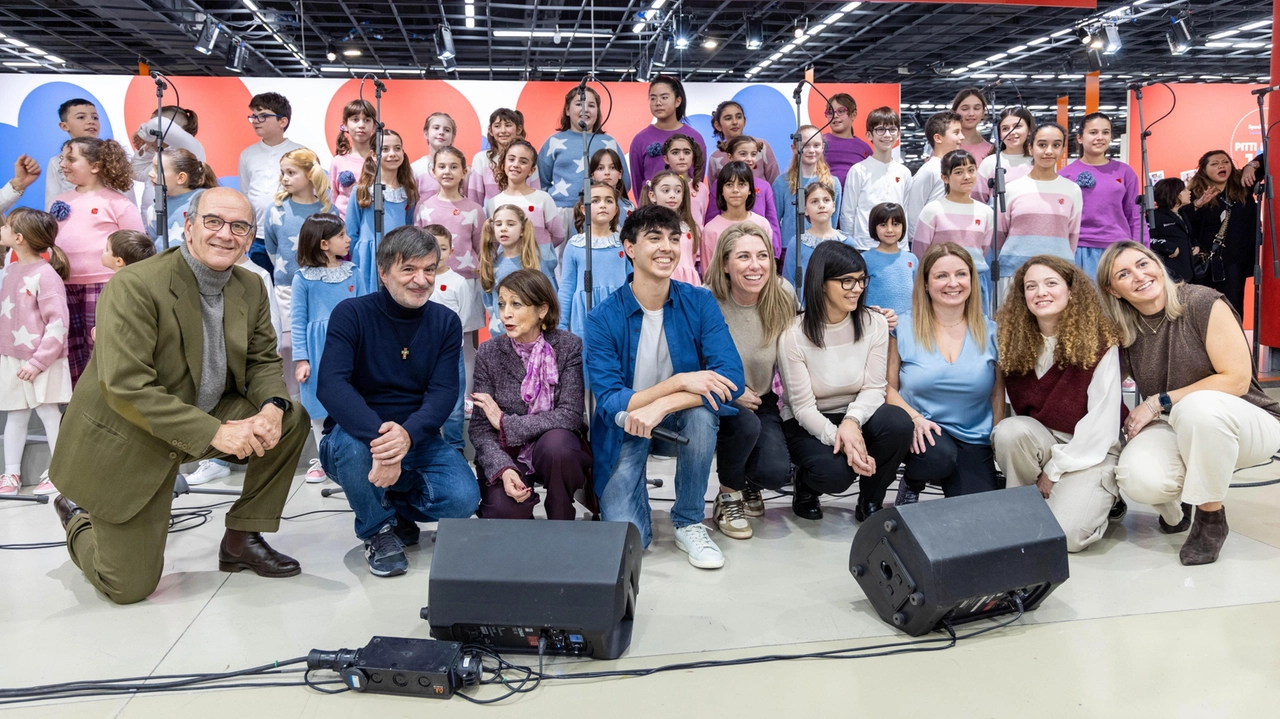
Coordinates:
(404, 353)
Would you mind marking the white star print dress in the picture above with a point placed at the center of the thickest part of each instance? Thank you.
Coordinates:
(33, 329)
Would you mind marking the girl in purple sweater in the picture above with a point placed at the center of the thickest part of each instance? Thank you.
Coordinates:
(667, 103)
(1110, 190)
(34, 373)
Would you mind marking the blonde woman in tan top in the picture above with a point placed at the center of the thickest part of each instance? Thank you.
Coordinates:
(1203, 415)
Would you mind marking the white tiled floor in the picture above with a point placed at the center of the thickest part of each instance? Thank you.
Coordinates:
(1132, 633)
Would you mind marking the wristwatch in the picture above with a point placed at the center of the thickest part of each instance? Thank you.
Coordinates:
(1166, 403)
(279, 403)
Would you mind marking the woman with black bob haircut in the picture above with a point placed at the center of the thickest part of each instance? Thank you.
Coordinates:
(833, 359)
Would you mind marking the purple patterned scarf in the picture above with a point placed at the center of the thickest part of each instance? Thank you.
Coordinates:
(538, 388)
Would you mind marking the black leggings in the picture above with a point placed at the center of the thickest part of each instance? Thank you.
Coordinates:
(750, 448)
(958, 467)
(888, 437)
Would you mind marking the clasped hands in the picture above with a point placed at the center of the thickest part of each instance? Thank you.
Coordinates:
(255, 435)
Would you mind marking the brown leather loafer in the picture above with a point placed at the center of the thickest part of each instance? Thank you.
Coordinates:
(66, 509)
(248, 550)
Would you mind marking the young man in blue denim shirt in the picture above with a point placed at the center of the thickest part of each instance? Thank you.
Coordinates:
(659, 354)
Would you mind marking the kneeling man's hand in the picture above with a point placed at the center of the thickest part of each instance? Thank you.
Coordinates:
(267, 425)
(384, 475)
(237, 437)
(392, 446)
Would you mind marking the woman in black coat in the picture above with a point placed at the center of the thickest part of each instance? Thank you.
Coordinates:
(1218, 196)
(1171, 233)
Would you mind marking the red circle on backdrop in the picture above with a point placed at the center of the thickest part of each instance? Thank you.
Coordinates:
(405, 107)
(221, 105)
(868, 97)
(543, 105)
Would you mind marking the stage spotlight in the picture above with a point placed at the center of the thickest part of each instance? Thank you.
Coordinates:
(329, 52)
(1113, 43)
(755, 33)
(1084, 35)
(1182, 36)
(235, 55)
(444, 43)
(680, 31)
(1097, 61)
(208, 37)
(450, 64)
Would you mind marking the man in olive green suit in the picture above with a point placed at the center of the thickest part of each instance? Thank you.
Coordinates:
(184, 368)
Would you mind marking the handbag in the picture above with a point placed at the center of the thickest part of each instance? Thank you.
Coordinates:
(1211, 264)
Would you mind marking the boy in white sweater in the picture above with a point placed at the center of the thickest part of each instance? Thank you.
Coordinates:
(270, 114)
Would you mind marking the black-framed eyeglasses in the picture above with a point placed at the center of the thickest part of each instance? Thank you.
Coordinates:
(239, 228)
(848, 283)
(255, 119)
(885, 131)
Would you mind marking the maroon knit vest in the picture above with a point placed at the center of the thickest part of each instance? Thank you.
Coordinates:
(1058, 400)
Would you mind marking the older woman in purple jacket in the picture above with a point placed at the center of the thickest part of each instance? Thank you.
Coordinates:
(528, 384)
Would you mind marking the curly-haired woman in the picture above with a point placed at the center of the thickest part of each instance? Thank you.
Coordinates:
(1061, 361)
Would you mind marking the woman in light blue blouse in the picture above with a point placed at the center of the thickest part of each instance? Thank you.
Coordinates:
(560, 159)
(942, 371)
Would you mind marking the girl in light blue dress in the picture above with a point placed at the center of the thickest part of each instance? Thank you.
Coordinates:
(322, 281)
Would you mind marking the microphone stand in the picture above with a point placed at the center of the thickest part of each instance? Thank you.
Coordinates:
(587, 136)
(162, 189)
(996, 183)
(1263, 192)
(378, 208)
(1147, 200)
(798, 143)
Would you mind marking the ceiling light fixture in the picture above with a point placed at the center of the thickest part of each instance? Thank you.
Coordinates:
(236, 52)
(1182, 36)
(1112, 42)
(710, 43)
(755, 33)
(54, 59)
(470, 12)
(208, 37)
(445, 49)
(352, 52)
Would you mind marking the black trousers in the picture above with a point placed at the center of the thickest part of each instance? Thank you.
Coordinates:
(958, 467)
(888, 437)
(750, 448)
(1233, 286)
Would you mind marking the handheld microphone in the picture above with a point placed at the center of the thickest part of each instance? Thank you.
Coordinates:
(799, 89)
(1265, 90)
(658, 432)
(377, 84)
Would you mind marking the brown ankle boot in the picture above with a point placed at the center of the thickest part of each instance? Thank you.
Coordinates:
(1208, 532)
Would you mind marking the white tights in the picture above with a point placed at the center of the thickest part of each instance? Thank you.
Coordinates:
(15, 433)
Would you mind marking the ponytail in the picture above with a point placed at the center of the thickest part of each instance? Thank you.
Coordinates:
(40, 230)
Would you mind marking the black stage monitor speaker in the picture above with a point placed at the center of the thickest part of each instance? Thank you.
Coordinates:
(959, 559)
(505, 584)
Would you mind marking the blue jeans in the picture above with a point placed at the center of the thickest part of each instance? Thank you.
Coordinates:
(435, 483)
(452, 429)
(626, 496)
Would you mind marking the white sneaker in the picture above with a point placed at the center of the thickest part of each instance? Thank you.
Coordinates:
(10, 483)
(316, 474)
(730, 515)
(703, 553)
(45, 486)
(207, 472)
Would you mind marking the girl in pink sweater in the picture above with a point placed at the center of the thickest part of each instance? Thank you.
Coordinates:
(33, 330)
(86, 216)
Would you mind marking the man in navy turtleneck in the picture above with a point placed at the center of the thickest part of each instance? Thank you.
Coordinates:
(389, 379)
